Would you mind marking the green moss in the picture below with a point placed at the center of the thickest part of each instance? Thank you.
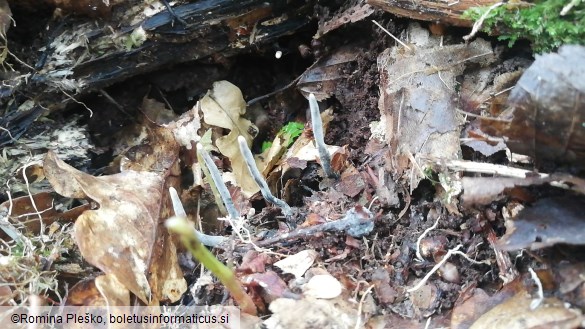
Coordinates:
(539, 22)
(289, 132)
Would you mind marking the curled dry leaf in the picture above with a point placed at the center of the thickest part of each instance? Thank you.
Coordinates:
(186, 126)
(24, 212)
(272, 285)
(322, 78)
(119, 236)
(254, 262)
(546, 109)
(353, 14)
(224, 106)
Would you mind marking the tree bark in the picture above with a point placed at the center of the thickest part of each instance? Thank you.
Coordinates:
(82, 55)
(440, 11)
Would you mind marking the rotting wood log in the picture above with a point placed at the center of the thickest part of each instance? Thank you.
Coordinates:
(82, 55)
(439, 11)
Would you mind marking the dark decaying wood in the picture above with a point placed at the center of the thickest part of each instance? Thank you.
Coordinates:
(440, 11)
(83, 55)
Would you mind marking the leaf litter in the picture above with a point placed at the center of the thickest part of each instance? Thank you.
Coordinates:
(352, 241)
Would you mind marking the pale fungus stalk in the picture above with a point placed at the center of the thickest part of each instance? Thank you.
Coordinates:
(208, 240)
(251, 164)
(219, 184)
(320, 137)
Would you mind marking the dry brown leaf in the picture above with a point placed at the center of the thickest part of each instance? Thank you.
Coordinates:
(119, 236)
(224, 107)
(254, 262)
(160, 155)
(352, 14)
(24, 212)
(85, 293)
(546, 109)
(272, 285)
(547, 222)
(156, 111)
(417, 101)
(516, 313)
(112, 290)
(322, 78)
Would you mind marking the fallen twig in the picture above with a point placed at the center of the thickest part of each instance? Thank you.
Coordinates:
(357, 222)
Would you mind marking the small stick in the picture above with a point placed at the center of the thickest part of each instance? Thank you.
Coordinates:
(392, 35)
(357, 222)
(219, 184)
(319, 137)
(251, 164)
(479, 23)
(434, 269)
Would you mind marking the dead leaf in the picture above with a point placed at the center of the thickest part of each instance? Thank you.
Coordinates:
(85, 293)
(224, 107)
(112, 290)
(272, 285)
(186, 126)
(546, 223)
(385, 293)
(546, 109)
(298, 263)
(516, 313)
(157, 112)
(254, 262)
(351, 182)
(119, 236)
(352, 14)
(474, 305)
(323, 286)
(23, 211)
(322, 78)
(5, 295)
(417, 98)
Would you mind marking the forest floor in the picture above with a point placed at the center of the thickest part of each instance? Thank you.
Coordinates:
(464, 231)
